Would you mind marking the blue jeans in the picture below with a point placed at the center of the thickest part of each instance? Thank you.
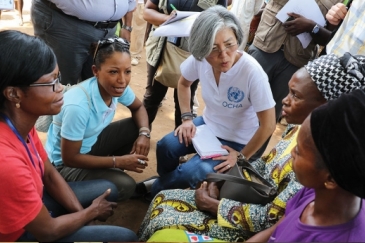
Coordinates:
(86, 192)
(174, 175)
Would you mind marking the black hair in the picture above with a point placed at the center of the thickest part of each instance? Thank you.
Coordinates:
(105, 48)
(23, 60)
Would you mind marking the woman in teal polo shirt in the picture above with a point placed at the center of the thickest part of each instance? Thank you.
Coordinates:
(82, 141)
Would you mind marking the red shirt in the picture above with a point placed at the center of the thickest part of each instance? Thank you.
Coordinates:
(21, 186)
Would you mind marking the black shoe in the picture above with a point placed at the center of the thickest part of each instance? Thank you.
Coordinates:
(141, 189)
(148, 197)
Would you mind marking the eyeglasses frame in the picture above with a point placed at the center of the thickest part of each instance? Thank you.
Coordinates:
(55, 82)
(218, 51)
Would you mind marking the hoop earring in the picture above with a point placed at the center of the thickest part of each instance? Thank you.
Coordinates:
(17, 105)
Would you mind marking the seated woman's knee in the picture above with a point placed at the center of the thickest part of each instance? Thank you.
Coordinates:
(125, 186)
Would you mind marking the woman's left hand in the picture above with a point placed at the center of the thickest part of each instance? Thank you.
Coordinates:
(141, 146)
(229, 160)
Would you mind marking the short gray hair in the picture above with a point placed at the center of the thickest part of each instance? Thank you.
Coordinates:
(206, 26)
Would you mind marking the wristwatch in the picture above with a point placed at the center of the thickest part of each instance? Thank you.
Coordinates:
(126, 27)
(241, 158)
(145, 134)
(315, 29)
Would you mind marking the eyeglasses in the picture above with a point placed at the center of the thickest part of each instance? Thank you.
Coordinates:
(55, 83)
(230, 47)
(109, 41)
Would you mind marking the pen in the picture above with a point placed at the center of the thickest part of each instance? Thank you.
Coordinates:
(173, 7)
(347, 3)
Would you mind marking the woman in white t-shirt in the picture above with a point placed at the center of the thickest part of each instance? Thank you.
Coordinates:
(239, 104)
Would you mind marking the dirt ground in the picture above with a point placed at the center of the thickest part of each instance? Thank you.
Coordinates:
(128, 214)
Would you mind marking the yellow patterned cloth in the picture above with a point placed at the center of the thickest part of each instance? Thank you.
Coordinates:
(176, 209)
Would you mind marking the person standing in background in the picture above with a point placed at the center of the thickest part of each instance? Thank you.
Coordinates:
(70, 27)
(246, 11)
(19, 7)
(139, 29)
(279, 51)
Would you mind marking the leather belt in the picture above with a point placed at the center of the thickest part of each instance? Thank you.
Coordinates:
(97, 25)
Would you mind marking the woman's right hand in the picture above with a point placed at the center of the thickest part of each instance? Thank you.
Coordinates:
(103, 208)
(171, 16)
(132, 162)
(186, 131)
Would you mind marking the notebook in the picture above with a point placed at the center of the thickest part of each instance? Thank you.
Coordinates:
(207, 144)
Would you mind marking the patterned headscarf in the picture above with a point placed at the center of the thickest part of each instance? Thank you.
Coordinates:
(334, 76)
(338, 132)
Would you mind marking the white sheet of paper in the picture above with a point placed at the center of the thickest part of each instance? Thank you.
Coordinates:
(180, 28)
(308, 9)
(6, 4)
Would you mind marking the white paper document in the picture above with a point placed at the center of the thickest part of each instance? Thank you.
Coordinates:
(177, 28)
(6, 4)
(308, 9)
(207, 144)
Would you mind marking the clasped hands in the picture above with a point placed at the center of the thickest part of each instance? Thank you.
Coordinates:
(207, 197)
(137, 159)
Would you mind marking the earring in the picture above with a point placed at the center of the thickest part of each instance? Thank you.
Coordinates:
(17, 105)
(325, 183)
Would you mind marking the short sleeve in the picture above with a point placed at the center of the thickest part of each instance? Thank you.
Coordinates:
(127, 97)
(74, 122)
(189, 69)
(260, 94)
(17, 186)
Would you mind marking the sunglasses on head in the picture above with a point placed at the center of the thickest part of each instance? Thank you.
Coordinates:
(109, 41)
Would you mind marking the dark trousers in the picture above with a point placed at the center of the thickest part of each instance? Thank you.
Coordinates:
(70, 40)
(155, 92)
(116, 139)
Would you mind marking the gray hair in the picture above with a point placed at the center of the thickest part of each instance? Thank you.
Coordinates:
(207, 25)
